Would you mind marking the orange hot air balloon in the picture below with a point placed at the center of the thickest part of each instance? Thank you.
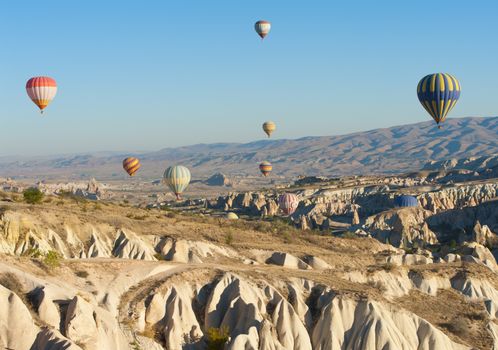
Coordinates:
(41, 90)
(131, 165)
(265, 168)
(262, 28)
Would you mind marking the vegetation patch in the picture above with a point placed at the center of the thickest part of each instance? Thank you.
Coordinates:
(33, 195)
(81, 273)
(52, 259)
(217, 338)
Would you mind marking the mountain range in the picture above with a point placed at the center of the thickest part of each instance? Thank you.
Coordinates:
(389, 150)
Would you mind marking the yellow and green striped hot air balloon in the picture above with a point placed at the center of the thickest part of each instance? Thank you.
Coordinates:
(177, 178)
(438, 93)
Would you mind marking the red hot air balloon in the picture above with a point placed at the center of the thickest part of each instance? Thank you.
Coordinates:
(41, 90)
(288, 203)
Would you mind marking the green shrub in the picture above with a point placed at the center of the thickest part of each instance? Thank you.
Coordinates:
(32, 195)
(52, 259)
(217, 338)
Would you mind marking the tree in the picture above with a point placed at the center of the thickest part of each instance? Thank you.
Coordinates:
(33, 195)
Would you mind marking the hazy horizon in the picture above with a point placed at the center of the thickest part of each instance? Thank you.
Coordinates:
(263, 138)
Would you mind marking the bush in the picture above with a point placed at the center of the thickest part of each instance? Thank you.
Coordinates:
(33, 195)
(217, 338)
(52, 259)
(82, 274)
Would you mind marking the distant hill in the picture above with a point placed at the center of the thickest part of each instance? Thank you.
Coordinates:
(391, 150)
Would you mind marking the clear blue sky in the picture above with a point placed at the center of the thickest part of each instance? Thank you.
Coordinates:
(143, 75)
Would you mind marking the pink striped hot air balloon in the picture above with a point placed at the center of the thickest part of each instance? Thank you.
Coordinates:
(41, 90)
(288, 203)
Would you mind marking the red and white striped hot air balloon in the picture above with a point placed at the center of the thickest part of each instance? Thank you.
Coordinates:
(41, 90)
(262, 28)
(288, 203)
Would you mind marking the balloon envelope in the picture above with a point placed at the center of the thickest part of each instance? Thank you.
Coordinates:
(265, 168)
(131, 165)
(262, 28)
(406, 201)
(438, 93)
(177, 178)
(288, 203)
(269, 127)
(232, 216)
(41, 90)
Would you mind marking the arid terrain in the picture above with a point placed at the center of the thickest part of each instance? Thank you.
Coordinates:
(99, 267)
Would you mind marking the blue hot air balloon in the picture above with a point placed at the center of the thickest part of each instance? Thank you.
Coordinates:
(438, 93)
(406, 201)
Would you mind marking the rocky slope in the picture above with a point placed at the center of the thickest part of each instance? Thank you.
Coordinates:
(83, 275)
(370, 208)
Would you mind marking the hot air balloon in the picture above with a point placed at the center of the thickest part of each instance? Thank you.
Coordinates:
(41, 90)
(269, 127)
(131, 165)
(231, 216)
(177, 178)
(438, 93)
(265, 168)
(288, 203)
(406, 201)
(262, 28)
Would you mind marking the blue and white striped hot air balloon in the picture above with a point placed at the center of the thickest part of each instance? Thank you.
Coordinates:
(404, 201)
(177, 178)
(438, 93)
